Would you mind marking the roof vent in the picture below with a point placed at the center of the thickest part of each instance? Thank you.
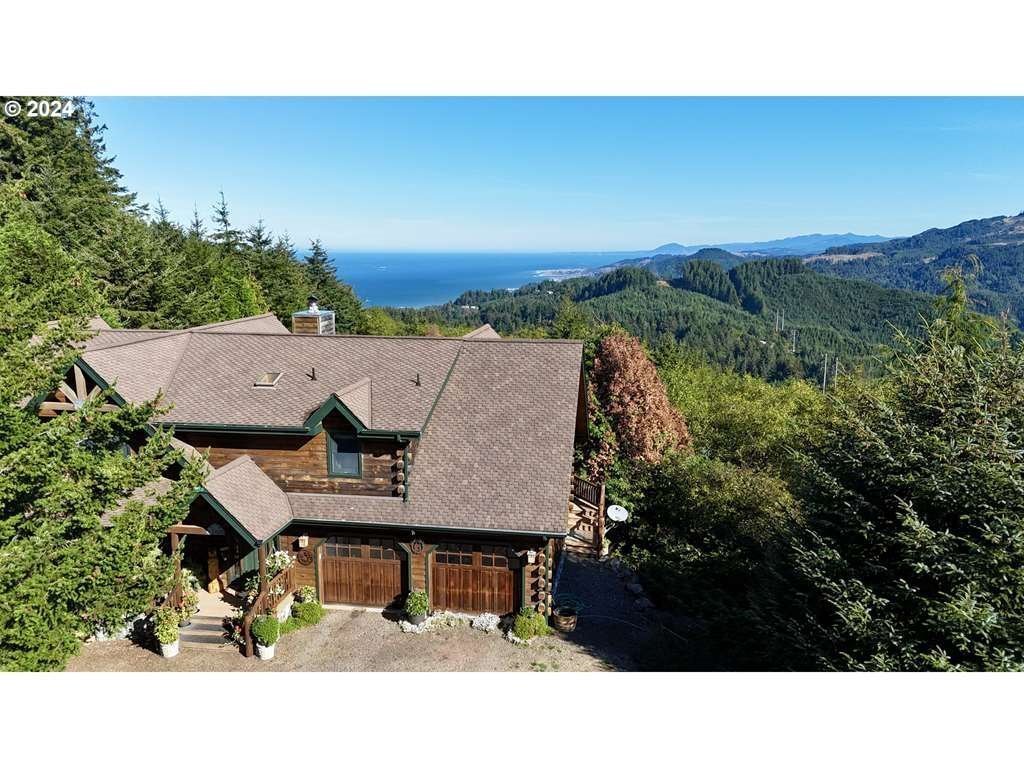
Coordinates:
(267, 380)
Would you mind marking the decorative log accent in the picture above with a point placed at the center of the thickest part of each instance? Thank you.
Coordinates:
(541, 558)
(400, 489)
(400, 477)
(67, 399)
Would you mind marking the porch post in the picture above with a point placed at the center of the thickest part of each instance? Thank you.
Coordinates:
(177, 560)
(261, 553)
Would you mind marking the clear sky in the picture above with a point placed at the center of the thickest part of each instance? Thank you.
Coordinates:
(572, 174)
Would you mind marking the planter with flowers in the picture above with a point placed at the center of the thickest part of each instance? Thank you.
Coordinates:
(166, 630)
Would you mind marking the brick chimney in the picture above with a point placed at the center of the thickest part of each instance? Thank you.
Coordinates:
(313, 321)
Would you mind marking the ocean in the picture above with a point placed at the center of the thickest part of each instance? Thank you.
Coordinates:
(421, 279)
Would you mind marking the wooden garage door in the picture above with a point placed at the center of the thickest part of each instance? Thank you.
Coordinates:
(472, 578)
(361, 571)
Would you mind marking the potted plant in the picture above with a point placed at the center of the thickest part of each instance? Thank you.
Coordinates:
(166, 630)
(305, 594)
(416, 606)
(189, 604)
(265, 631)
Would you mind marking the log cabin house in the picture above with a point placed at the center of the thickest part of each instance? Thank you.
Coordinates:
(383, 464)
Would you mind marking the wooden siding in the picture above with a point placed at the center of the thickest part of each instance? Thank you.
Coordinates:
(299, 464)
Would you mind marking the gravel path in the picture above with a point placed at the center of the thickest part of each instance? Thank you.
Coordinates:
(608, 635)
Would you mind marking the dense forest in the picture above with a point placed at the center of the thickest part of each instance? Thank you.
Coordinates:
(876, 527)
(776, 319)
(995, 245)
(150, 271)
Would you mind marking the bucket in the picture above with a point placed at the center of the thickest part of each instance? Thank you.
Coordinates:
(563, 618)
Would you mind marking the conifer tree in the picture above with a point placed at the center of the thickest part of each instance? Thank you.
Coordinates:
(64, 573)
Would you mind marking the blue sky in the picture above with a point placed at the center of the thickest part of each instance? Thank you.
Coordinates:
(572, 174)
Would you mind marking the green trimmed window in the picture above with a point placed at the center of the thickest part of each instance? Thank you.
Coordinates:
(343, 456)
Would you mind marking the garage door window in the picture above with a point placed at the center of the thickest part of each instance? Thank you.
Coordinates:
(343, 546)
(493, 557)
(382, 549)
(454, 554)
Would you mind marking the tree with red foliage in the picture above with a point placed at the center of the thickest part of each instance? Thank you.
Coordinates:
(631, 397)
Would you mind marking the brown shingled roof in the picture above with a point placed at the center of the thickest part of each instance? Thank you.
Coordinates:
(496, 417)
(249, 496)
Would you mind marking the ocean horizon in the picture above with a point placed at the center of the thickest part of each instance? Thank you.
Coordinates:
(407, 279)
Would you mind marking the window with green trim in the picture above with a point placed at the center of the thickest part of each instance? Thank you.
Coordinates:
(343, 457)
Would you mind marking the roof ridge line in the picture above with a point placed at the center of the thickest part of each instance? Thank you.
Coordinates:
(174, 369)
(236, 462)
(222, 323)
(165, 335)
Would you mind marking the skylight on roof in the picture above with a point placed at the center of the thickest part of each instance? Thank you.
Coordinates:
(267, 380)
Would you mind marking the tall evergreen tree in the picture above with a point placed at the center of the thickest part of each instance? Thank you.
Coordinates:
(63, 573)
(319, 267)
(912, 557)
(226, 236)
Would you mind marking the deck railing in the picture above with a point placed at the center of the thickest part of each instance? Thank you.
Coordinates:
(589, 497)
(586, 491)
(272, 594)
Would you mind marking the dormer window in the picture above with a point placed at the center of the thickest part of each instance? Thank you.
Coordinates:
(343, 456)
(267, 380)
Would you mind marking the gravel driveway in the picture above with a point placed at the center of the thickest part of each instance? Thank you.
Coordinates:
(609, 632)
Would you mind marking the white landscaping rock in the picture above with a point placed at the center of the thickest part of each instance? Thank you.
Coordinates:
(486, 622)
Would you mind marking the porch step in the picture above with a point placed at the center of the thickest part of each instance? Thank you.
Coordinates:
(204, 630)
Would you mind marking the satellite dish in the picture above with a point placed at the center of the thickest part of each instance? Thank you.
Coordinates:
(617, 514)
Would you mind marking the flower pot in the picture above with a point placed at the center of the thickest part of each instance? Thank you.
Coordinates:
(184, 623)
(266, 652)
(564, 619)
(169, 650)
(417, 620)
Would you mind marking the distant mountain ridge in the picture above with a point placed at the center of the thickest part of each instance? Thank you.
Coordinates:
(917, 263)
(667, 259)
(798, 245)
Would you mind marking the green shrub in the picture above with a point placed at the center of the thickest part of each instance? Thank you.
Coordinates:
(166, 620)
(291, 624)
(305, 594)
(266, 630)
(417, 603)
(308, 613)
(529, 624)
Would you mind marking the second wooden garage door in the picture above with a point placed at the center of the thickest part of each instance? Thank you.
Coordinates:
(472, 578)
(361, 571)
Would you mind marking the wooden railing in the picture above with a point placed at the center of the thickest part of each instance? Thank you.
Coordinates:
(587, 492)
(589, 497)
(271, 595)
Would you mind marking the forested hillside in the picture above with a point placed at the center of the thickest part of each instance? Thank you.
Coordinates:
(149, 270)
(917, 263)
(749, 318)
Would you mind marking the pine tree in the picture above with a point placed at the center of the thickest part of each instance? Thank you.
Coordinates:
(64, 573)
(319, 267)
(196, 229)
(913, 553)
(224, 234)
